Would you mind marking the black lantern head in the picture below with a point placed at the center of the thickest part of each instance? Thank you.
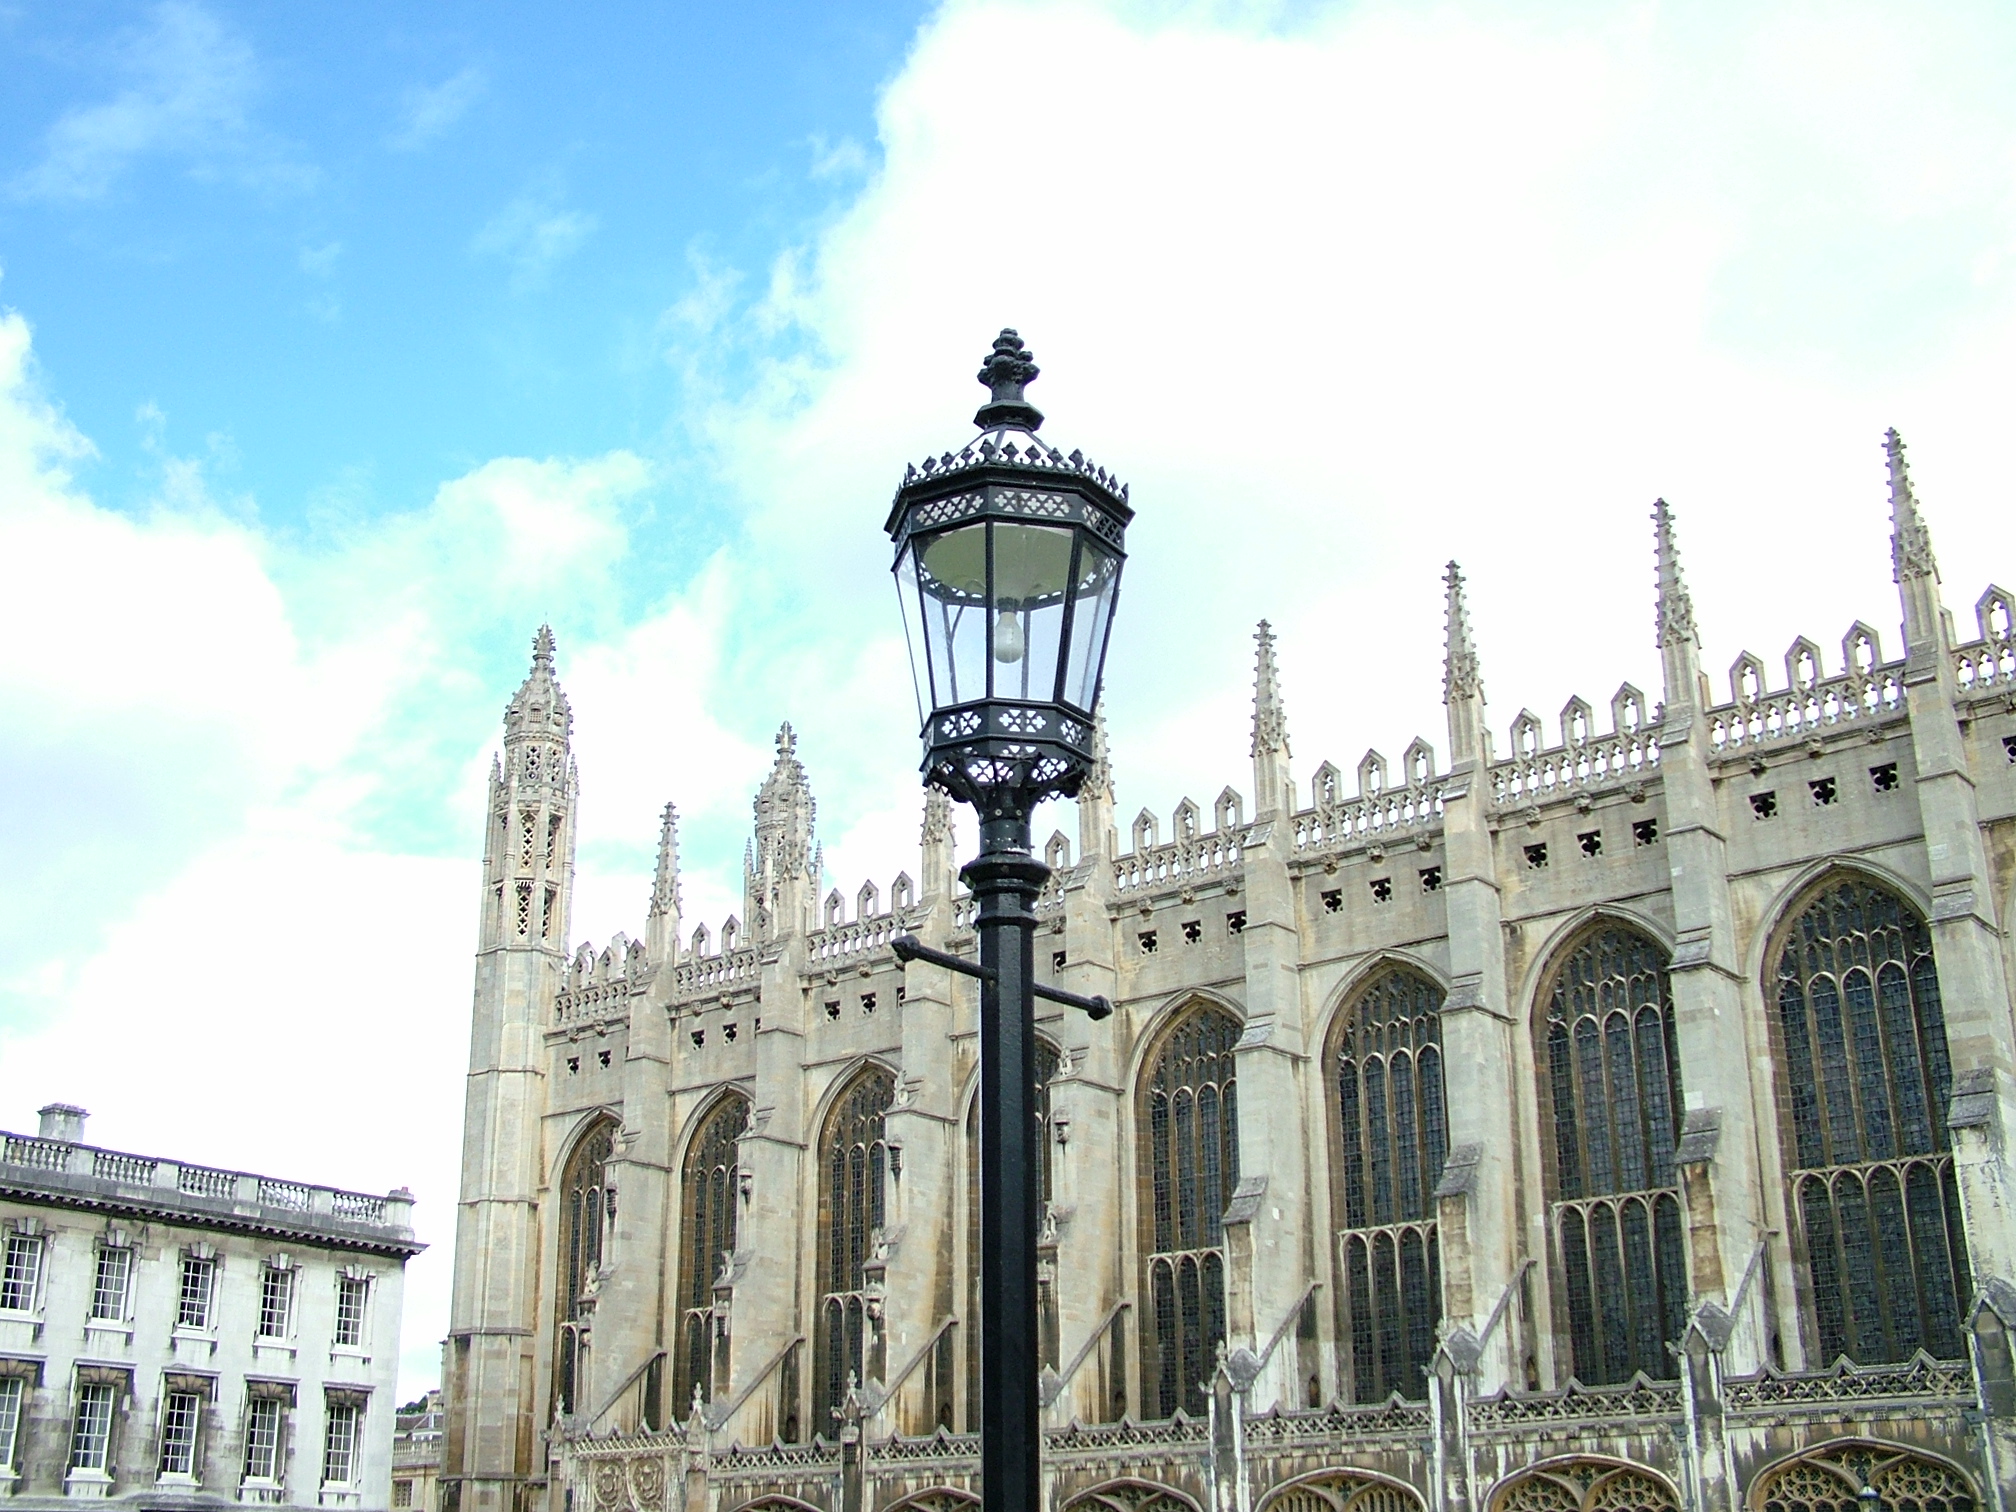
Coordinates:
(1008, 558)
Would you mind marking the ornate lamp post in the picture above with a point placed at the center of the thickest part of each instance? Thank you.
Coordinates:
(1008, 557)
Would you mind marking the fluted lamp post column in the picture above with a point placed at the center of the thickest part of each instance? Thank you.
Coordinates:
(1008, 558)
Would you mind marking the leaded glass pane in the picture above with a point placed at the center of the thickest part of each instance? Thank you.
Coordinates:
(850, 1209)
(1392, 1135)
(706, 1239)
(1188, 1121)
(1612, 1083)
(1867, 1078)
(582, 1186)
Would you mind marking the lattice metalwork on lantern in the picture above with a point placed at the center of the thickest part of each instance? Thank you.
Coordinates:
(1008, 559)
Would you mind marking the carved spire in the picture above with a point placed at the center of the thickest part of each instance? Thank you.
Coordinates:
(1674, 630)
(665, 885)
(1099, 775)
(530, 870)
(1675, 623)
(539, 710)
(1096, 834)
(1270, 719)
(1462, 675)
(661, 924)
(1273, 786)
(1910, 541)
(936, 840)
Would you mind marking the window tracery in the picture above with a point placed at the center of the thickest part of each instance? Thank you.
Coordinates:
(585, 1210)
(1585, 1486)
(1342, 1491)
(1610, 1090)
(853, 1163)
(1840, 1478)
(1390, 1137)
(1865, 1086)
(1189, 1138)
(706, 1240)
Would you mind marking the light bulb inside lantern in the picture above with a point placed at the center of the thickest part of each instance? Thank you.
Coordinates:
(1007, 637)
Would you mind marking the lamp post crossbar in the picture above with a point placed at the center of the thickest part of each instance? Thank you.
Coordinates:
(907, 948)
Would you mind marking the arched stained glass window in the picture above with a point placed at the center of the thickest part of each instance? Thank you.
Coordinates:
(1610, 1094)
(706, 1237)
(1047, 1061)
(1865, 1085)
(1188, 1115)
(1841, 1477)
(586, 1208)
(853, 1163)
(1391, 1130)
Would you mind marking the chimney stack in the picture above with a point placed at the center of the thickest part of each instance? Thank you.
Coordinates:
(63, 1122)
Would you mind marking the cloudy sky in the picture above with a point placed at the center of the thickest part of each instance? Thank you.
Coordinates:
(342, 345)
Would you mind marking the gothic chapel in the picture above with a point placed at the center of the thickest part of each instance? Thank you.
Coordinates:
(1613, 1120)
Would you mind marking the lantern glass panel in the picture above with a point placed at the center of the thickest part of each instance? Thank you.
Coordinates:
(910, 604)
(1032, 571)
(952, 597)
(1096, 586)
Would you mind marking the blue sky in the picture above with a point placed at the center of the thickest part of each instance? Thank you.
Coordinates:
(340, 348)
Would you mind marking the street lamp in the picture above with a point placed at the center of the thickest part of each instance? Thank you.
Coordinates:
(1008, 557)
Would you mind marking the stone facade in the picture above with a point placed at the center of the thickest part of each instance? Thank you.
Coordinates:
(416, 1455)
(173, 1335)
(1616, 1120)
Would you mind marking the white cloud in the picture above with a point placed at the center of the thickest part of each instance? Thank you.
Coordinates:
(428, 111)
(190, 87)
(533, 234)
(205, 891)
(1411, 282)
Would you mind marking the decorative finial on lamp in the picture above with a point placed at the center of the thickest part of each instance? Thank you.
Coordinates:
(1009, 368)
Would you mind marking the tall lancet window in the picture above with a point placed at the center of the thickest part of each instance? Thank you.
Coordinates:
(1866, 1079)
(853, 1164)
(706, 1237)
(586, 1209)
(1188, 1116)
(1610, 1094)
(1392, 1133)
(1047, 1061)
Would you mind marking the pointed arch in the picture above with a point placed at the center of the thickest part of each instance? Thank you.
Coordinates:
(1187, 1137)
(1584, 1483)
(1832, 1477)
(1389, 1135)
(708, 1203)
(853, 1159)
(1864, 1078)
(1128, 1495)
(936, 1499)
(1343, 1490)
(582, 1202)
(1607, 1075)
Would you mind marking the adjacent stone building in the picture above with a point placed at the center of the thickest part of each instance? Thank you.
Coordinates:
(416, 1454)
(173, 1335)
(1615, 1119)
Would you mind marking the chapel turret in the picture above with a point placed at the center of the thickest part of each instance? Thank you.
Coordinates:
(780, 870)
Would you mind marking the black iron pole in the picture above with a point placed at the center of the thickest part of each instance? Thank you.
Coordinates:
(1004, 879)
